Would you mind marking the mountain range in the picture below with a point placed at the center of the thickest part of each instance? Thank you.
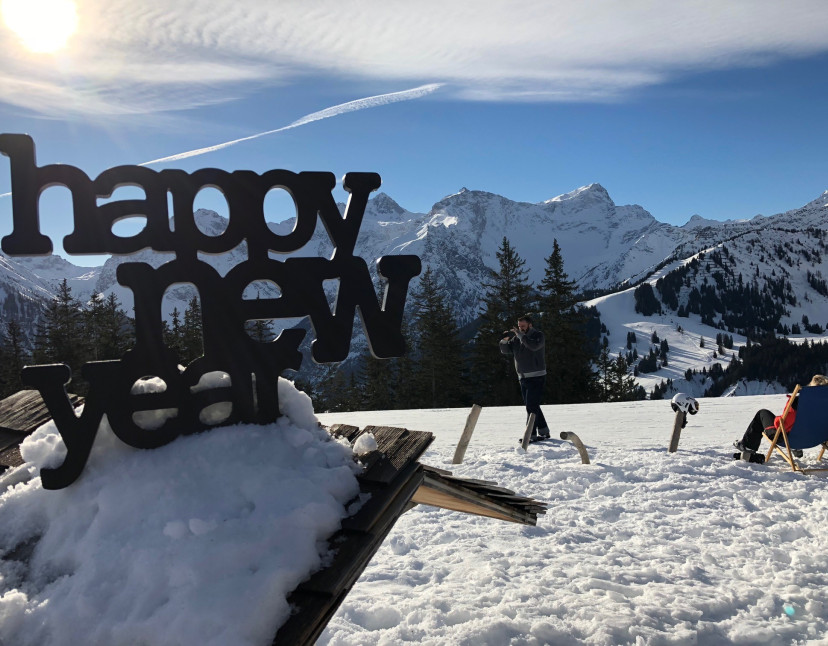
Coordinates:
(605, 247)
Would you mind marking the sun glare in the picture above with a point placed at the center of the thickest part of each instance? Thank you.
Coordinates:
(43, 26)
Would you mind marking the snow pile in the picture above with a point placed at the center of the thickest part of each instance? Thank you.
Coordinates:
(197, 542)
(366, 443)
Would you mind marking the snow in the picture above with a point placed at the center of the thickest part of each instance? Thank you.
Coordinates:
(201, 541)
(365, 443)
(640, 547)
(198, 542)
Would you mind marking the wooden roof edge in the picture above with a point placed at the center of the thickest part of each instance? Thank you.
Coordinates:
(317, 599)
(396, 447)
(21, 413)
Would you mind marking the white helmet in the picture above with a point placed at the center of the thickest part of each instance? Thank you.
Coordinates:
(685, 403)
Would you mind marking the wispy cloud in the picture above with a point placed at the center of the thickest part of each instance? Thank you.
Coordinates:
(336, 110)
(495, 50)
(327, 113)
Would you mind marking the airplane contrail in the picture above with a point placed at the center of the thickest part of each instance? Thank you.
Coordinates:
(327, 113)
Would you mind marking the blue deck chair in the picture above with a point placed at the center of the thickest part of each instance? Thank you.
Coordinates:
(810, 428)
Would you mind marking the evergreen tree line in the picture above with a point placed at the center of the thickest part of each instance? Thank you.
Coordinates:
(442, 369)
(772, 359)
(75, 333)
(749, 310)
(68, 332)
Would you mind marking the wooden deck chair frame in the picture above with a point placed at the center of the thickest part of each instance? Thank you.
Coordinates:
(786, 452)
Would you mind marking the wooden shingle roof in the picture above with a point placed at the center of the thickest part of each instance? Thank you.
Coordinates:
(20, 414)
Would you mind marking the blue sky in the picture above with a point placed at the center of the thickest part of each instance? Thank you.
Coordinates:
(696, 107)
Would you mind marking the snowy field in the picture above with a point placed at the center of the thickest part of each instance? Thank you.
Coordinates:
(201, 541)
(639, 547)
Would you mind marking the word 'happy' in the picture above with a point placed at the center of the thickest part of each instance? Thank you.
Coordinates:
(253, 367)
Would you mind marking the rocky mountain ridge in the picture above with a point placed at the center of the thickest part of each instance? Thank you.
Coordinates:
(605, 247)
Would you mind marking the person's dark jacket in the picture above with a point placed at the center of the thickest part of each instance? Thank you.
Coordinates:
(527, 350)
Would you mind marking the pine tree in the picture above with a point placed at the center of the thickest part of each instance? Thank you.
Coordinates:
(616, 382)
(60, 337)
(508, 295)
(192, 343)
(375, 377)
(569, 354)
(604, 383)
(405, 391)
(14, 357)
(439, 366)
(106, 328)
(174, 334)
(623, 383)
(260, 330)
(339, 394)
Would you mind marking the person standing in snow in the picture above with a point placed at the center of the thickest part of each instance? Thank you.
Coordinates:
(525, 344)
(765, 422)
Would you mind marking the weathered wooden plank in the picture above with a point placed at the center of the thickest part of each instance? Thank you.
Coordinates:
(472, 481)
(440, 495)
(396, 448)
(465, 438)
(317, 599)
(10, 438)
(530, 425)
(373, 509)
(10, 457)
(399, 444)
(352, 545)
(21, 414)
(430, 469)
(315, 613)
(572, 437)
(25, 411)
(347, 431)
(676, 436)
(478, 487)
(485, 489)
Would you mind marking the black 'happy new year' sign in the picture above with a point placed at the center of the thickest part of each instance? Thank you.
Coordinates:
(253, 367)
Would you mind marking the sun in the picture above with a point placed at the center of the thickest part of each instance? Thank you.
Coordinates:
(43, 26)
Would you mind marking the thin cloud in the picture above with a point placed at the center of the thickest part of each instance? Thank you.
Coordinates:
(327, 113)
(334, 111)
(532, 51)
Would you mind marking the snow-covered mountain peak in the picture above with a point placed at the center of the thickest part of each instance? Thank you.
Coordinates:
(698, 222)
(382, 206)
(210, 223)
(590, 193)
(813, 214)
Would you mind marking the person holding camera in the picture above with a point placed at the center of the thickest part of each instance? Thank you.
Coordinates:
(525, 344)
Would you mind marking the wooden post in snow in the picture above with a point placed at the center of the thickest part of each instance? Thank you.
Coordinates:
(674, 439)
(566, 435)
(471, 421)
(527, 434)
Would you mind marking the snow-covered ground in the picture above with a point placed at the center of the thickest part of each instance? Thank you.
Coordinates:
(639, 547)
